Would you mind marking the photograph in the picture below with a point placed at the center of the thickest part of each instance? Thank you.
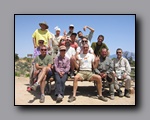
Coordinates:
(74, 59)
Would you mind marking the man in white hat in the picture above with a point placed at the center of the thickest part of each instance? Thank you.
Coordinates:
(71, 29)
(41, 34)
(55, 41)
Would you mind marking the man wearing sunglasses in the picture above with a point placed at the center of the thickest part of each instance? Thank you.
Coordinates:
(43, 64)
(62, 66)
(86, 63)
(89, 36)
(79, 51)
(122, 71)
(105, 70)
(34, 73)
(71, 30)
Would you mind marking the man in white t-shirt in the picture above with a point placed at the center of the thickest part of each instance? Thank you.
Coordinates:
(86, 62)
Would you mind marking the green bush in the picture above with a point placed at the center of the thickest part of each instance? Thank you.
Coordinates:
(27, 75)
(17, 74)
(16, 57)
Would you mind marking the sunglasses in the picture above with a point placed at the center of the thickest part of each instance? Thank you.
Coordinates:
(118, 52)
(43, 49)
(63, 50)
(41, 42)
(85, 47)
(84, 41)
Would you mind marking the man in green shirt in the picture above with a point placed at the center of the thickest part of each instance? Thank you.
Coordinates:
(97, 46)
(43, 64)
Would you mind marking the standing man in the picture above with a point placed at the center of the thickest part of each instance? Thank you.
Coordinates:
(86, 62)
(42, 34)
(55, 41)
(73, 43)
(89, 36)
(97, 46)
(43, 64)
(122, 71)
(71, 30)
(104, 69)
(62, 66)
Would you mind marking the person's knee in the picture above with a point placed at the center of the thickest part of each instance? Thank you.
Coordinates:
(76, 78)
(98, 78)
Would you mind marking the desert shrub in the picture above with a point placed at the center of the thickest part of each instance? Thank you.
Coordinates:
(17, 74)
(27, 75)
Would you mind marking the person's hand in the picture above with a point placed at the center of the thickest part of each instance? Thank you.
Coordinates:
(114, 74)
(60, 73)
(101, 74)
(65, 33)
(49, 48)
(104, 75)
(124, 75)
(34, 46)
(84, 28)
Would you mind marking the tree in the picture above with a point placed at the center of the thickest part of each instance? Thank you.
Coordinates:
(16, 57)
(129, 57)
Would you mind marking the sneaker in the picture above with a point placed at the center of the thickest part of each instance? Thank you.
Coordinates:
(72, 99)
(29, 89)
(112, 97)
(71, 75)
(34, 86)
(42, 99)
(102, 98)
(59, 98)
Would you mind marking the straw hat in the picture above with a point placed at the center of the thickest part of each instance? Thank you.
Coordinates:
(43, 23)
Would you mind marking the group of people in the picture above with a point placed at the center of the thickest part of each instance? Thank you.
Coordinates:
(73, 54)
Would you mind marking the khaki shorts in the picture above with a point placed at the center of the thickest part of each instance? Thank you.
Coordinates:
(85, 74)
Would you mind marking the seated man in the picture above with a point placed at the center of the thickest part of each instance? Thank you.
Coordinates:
(80, 51)
(70, 53)
(122, 70)
(86, 62)
(35, 54)
(62, 66)
(43, 66)
(105, 67)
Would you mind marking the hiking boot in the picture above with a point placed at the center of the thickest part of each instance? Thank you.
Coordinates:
(112, 97)
(120, 94)
(42, 99)
(34, 86)
(126, 93)
(59, 98)
(102, 98)
(72, 99)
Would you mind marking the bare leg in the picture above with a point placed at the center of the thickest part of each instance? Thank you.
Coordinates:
(42, 85)
(42, 74)
(98, 80)
(75, 84)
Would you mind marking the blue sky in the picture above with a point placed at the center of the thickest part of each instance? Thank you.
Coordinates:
(118, 30)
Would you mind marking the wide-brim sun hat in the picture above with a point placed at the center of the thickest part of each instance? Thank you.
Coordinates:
(43, 23)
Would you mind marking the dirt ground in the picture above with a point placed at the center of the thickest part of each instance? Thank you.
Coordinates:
(86, 95)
